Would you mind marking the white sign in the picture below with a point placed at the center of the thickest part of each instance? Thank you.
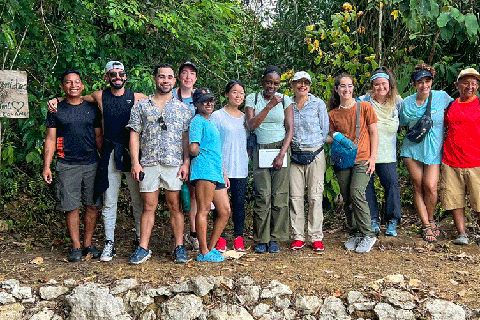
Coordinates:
(13, 94)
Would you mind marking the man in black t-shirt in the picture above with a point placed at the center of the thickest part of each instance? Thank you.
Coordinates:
(75, 131)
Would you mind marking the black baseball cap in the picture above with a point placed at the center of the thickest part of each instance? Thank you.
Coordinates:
(202, 95)
(187, 64)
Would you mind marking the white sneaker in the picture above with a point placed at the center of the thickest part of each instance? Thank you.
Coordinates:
(352, 242)
(366, 244)
(108, 251)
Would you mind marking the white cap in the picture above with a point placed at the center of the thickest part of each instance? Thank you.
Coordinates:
(114, 65)
(301, 75)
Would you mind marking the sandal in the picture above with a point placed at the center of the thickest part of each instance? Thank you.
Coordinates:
(435, 230)
(426, 235)
(211, 256)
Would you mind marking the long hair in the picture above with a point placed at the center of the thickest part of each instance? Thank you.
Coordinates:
(334, 101)
(392, 92)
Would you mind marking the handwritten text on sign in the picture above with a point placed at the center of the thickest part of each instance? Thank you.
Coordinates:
(13, 94)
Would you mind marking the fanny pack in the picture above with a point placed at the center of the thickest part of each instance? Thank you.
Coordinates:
(344, 151)
(304, 157)
(420, 129)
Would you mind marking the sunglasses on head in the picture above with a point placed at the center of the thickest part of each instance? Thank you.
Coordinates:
(163, 125)
(114, 74)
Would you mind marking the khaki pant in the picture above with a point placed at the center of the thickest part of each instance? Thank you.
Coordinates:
(311, 176)
(270, 216)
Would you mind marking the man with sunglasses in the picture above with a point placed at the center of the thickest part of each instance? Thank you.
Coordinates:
(115, 103)
(159, 128)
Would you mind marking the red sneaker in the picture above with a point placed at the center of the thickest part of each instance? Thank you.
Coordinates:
(318, 246)
(297, 244)
(221, 245)
(238, 244)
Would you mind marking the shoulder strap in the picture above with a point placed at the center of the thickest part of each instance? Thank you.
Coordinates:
(428, 112)
(357, 126)
(256, 98)
(448, 107)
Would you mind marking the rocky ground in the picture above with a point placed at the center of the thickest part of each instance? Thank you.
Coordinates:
(429, 273)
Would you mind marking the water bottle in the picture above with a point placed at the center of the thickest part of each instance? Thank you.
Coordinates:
(185, 195)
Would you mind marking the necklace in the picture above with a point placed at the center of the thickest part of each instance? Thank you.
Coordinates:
(346, 107)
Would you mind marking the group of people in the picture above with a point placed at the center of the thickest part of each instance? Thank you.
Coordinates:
(175, 137)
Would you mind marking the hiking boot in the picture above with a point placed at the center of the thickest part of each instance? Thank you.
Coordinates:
(461, 240)
(297, 244)
(352, 242)
(140, 255)
(365, 244)
(91, 249)
(180, 255)
(391, 228)
(273, 247)
(261, 248)
(238, 244)
(221, 245)
(317, 246)
(75, 255)
(376, 227)
(108, 251)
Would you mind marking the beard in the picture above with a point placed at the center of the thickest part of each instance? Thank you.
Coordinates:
(163, 91)
(117, 86)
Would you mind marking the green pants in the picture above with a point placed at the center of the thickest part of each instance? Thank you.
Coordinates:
(353, 183)
(270, 217)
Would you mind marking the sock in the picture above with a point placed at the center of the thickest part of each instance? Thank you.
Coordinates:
(193, 234)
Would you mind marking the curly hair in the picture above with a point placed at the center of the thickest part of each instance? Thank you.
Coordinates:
(424, 66)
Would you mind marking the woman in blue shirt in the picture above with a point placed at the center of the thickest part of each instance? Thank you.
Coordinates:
(423, 159)
(207, 175)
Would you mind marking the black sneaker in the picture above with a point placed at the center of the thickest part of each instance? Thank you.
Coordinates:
(75, 255)
(91, 249)
(136, 242)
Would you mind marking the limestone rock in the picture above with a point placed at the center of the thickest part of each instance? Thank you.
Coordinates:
(181, 307)
(260, 310)
(6, 298)
(219, 290)
(9, 284)
(92, 301)
(182, 287)
(357, 301)
(56, 317)
(445, 310)
(398, 279)
(140, 303)
(149, 315)
(124, 285)
(230, 312)
(69, 283)
(249, 294)
(162, 291)
(385, 311)
(51, 282)
(399, 298)
(22, 292)
(274, 289)
(289, 314)
(333, 309)
(201, 285)
(11, 311)
(282, 304)
(50, 293)
(307, 304)
(245, 281)
(45, 314)
(309, 317)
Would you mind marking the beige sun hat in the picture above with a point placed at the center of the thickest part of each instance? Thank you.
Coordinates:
(468, 72)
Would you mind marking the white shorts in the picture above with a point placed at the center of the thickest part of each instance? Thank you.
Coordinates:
(160, 176)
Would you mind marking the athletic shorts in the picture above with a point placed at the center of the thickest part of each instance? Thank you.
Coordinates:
(160, 176)
(74, 184)
(218, 185)
(456, 183)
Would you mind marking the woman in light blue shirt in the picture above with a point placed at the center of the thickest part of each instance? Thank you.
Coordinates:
(423, 159)
(270, 114)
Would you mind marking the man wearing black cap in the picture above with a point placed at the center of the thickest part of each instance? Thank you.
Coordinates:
(159, 128)
(115, 103)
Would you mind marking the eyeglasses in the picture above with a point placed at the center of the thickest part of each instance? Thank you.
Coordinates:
(114, 74)
(163, 125)
(303, 82)
(206, 103)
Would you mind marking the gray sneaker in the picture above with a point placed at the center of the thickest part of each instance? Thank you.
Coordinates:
(190, 242)
(461, 240)
(352, 242)
(366, 244)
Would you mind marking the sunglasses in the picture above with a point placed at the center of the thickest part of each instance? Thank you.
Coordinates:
(163, 125)
(114, 74)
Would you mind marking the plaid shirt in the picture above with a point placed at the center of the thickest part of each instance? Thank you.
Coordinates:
(161, 133)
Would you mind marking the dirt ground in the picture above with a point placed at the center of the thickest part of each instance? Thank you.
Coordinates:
(443, 269)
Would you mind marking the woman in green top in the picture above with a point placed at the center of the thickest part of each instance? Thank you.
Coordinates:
(270, 115)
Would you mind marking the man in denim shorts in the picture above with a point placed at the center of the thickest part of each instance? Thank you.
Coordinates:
(159, 128)
(76, 133)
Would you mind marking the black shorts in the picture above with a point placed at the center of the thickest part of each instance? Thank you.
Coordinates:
(218, 185)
